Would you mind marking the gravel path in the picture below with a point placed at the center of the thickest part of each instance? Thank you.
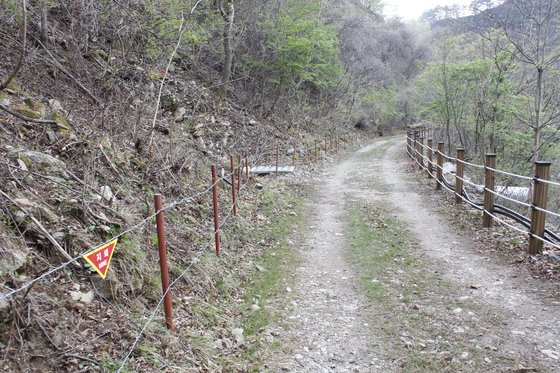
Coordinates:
(329, 325)
(533, 322)
(328, 328)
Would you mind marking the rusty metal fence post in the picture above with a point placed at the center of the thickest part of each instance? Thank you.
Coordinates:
(540, 195)
(215, 205)
(233, 193)
(430, 158)
(487, 219)
(239, 173)
(316, 152)
(162, 248)
(459, 175)
(439, 167)
(277, 157)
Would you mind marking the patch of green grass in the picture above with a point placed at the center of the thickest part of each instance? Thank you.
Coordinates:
(416, 303)
(108, 364)
(285, 209)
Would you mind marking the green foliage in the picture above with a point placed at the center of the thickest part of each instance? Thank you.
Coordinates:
(384, 104)
(304, 49)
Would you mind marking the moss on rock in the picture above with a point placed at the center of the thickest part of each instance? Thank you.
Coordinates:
(27, 111)
(62, 120)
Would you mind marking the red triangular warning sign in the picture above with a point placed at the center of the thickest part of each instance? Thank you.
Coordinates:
(100, 258)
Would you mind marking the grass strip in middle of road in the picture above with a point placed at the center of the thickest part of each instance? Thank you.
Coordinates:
(422, 322)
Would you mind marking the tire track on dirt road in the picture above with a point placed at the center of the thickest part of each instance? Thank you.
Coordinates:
(333, 327)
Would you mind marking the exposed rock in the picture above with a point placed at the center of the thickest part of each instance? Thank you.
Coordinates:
(36, 106)
(458, 330)
(4, 99)
(55, 106)
(551, 354)
(13, 88)
(22, 165)
(38, 210)
(237, 334)
(11, 260)
(253, 122)
(87, 297)
(221, 344)
(259, 186)
(260, 268)
(37, 161)
(106, 193)
(445, 355)
(78, 296)
(180, 114)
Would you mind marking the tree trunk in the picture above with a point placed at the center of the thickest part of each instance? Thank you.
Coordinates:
(8, 80)
(538, 114)
(45, 26)
(229, 18)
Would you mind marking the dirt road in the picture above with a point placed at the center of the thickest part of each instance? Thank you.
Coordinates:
(461, 311)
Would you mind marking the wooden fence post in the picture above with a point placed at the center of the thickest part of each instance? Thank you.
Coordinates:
(488, 189)
(459, 175)
(408, 143)
(420, 153)
(540, 195)
(439, 168)
(430, 158)
(415, 146)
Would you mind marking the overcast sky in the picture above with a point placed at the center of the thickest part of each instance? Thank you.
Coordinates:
(412, 10)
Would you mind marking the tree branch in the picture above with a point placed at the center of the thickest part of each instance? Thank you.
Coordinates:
(23, 47)
(59, 66)
(30, 120)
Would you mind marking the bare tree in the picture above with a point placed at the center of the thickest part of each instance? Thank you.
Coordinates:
(227, 10)
(16, 69)
(533, 28)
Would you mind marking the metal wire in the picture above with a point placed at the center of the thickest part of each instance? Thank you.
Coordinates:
(471, 203)
(471, 164)
(510, 174)
(156, 308)
(126, 231)
(547, 211)
(549, 182)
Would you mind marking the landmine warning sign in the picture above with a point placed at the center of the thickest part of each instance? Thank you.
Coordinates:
(100, 258)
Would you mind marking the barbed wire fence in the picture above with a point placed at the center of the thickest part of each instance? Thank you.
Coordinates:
(285, 152)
